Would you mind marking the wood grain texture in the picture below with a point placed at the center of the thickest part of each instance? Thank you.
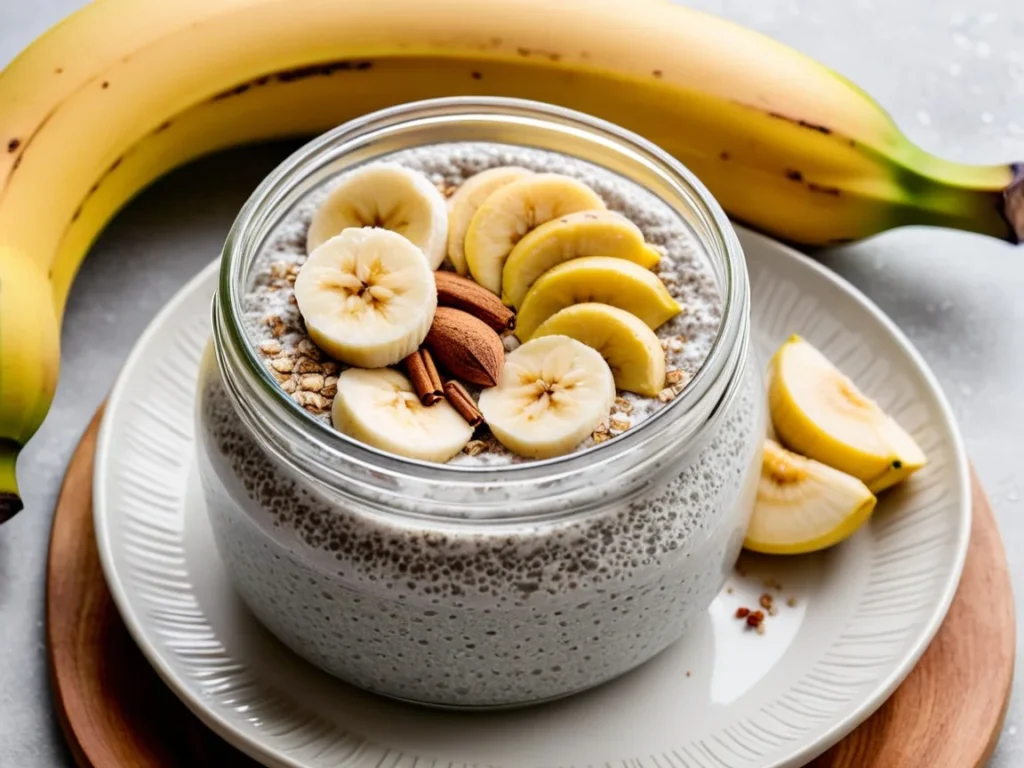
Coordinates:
(949, 712)
(114, 709)
(116, 712)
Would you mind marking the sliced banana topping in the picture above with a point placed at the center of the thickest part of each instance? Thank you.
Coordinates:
(617, 282)
(381, 408)
(803, 505)
(552, 393)
(465, 202)
(388, 196)
(577, 235)
(512, 211)
(367, 297)
(820, 413)
(631, 349)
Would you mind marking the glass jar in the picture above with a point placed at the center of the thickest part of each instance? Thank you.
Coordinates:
(468, 586)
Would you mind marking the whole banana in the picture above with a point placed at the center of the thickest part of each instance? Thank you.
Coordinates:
(125, 90)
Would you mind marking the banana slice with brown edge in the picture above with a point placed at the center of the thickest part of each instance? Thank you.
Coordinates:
(467, 200)
(573, 236)
(512, 211)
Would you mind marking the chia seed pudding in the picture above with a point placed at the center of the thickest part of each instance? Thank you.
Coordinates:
(276, 329)
(489, 581)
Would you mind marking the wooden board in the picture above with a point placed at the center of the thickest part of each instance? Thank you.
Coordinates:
(116, 712)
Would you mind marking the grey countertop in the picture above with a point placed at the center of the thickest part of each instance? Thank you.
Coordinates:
(950, 71)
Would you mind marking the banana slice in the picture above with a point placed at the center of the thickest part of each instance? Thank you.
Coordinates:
(585, 233)
(381, 408)
(630, 348)
(552, 393)
(512, 211)
(601, 279)
(389, 196)
(367, 297)
(803, 506)
(820, 413)
(465, 202)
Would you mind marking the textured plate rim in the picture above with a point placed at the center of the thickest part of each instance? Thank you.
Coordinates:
(101, 518)
(888, 685)
(872, 699)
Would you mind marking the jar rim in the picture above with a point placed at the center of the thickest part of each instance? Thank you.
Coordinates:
(329, 442)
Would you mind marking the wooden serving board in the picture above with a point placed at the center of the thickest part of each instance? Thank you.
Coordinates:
(116, 712)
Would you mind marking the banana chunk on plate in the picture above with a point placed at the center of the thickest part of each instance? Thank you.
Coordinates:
(367, 297)
(552, 393)
(380, 408)
(512, 211)
(818, 412)
(804, 506)
(388, 196)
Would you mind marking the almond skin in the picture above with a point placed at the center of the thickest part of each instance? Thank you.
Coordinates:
(470, 349)
(462, 293)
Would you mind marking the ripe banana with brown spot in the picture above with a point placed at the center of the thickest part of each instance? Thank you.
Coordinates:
(125, 90)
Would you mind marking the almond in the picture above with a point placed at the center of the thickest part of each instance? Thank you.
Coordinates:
(466, 346)
(462, 293)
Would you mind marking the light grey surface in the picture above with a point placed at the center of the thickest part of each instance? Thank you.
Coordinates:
(952, 73)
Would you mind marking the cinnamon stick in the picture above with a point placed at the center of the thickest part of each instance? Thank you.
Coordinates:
(424, 376)
(435, 377)
(463, 403)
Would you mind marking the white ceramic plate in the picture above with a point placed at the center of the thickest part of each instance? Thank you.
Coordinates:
(861, 614)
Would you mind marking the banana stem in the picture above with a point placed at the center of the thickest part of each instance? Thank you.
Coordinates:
(1013, 202)
(986, 199)
(10, 501)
